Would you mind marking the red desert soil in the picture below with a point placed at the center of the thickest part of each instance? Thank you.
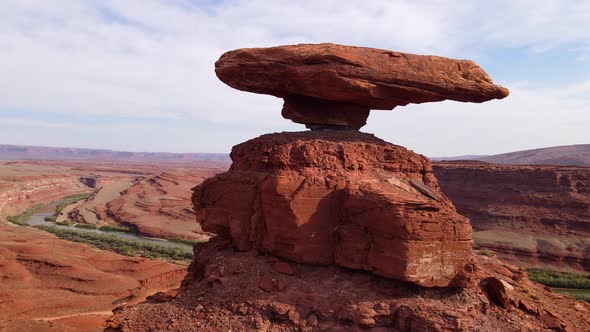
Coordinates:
(537, 216)
(44, 277)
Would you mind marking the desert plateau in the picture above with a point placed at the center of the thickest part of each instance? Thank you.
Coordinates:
(224, 166)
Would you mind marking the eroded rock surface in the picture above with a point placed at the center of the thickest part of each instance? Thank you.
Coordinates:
(222, 292)
(329, 85)
(538, 216)
(160, 205)
(338, 197)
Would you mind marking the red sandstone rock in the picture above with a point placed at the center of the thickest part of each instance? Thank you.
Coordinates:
(533, 215)
(336, 85)
(499, 291)
(284, 268)
(329, 298)
(265, 283)
(336, 197)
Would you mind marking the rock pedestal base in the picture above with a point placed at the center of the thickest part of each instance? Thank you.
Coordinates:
(338, 197)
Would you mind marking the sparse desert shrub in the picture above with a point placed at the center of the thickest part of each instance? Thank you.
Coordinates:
(63, 223)
(50, 218)
(120, 245)
(184, 241)
(560, 279)
(16, 221)
(123, 229)
(23, 218)
(487, 252)
(578, 294)
(85, 226)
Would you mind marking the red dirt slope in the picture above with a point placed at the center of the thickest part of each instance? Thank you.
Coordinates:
(45, 277)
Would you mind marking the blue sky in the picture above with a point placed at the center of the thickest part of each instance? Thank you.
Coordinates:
(138, 74)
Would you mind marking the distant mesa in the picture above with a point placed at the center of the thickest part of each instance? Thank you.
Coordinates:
(17, 152)
(335, 86)
(566, 155)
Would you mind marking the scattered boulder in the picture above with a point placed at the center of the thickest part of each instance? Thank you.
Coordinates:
(499, 291)
(266, 284)
(284, 268)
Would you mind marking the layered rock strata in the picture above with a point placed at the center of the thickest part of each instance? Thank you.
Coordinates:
(338, 197)
(335, 86)
(533, 215)
(160, 205)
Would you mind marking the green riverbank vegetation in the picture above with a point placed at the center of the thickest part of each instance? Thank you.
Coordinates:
(576, 285)
(122, 246)
(23, 218)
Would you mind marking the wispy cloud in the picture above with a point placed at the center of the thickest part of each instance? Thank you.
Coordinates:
(154, 59)
(32, 123)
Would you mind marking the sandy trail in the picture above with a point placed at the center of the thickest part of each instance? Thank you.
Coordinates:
(109, 313)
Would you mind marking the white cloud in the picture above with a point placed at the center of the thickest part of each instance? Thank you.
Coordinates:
(530, 117)
(154, 59)
(18, 122)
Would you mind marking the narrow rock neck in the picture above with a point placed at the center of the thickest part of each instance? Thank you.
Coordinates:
(324, 114)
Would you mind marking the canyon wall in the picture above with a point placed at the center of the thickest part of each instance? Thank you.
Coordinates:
(160, 205)
(52, 284)
(24, 192)
(533, 215)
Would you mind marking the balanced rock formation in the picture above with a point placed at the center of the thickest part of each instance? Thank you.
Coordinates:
(328, 85)
(338, 197)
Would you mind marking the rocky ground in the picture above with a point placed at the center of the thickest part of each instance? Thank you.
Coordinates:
(537, 216)
(246, 291)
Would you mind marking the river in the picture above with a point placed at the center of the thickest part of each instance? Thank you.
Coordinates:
(48, 210)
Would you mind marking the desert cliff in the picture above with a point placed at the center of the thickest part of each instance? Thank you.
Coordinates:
(535, 216)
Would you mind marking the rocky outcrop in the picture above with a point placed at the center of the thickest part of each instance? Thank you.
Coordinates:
(329, 85)
(535, 215)
(243, 291)
(21, 193)
(338, 197)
